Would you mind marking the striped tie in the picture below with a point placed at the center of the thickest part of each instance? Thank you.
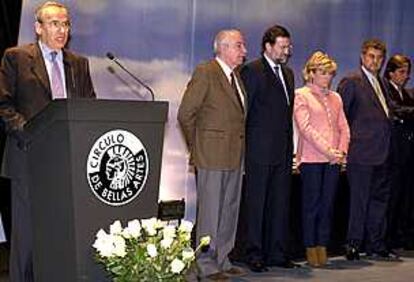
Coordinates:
(57, 84)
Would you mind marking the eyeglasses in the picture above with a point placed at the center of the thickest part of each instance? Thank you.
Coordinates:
(286, 47)
(57, 24)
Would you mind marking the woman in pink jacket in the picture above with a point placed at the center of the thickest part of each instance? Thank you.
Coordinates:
(323, 134)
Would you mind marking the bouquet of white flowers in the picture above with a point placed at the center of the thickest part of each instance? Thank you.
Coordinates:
(146, 250)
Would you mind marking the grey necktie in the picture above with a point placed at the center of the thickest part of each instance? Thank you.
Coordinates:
(57, 84)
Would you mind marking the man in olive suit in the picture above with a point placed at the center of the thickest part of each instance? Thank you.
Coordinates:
(211, 115)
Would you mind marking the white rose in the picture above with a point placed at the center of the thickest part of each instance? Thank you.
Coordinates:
(119, 249)
(160, 224)
(101, 234)
(126, 233)
(103, 244)
(169, 231)
(166, 243)
(177, 266)
(150, 226)
(109, 245)
(186, 226)
(188, 254)
(133, 229)
(186, 237)
(152, 250)
(115, 228)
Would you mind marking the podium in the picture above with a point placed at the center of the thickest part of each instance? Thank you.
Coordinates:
(87, 169)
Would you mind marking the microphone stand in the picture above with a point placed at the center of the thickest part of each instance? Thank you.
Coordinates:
(114, 59)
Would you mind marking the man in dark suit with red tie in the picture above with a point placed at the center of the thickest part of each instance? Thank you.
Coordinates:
(368, 160)
(269, 151)
(31, 77)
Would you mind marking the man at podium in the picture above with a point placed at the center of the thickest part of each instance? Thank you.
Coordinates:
(30, 77)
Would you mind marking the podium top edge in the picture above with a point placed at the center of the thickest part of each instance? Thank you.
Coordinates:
(102, 110)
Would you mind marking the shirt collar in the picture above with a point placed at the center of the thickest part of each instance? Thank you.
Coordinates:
(370, 76)
(395, 85)
(227, 70)
(46, 52)
(271, 62)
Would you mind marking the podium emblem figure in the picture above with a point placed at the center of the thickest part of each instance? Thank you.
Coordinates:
(120, 167)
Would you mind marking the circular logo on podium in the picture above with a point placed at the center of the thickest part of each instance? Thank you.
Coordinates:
(117, 167)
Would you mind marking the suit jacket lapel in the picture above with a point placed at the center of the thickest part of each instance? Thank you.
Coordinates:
(373, 95)
(270, 73)
(69, 76)
(243, 90)
(394, 94)
(38, 67)
(222, 78)
(289, 84)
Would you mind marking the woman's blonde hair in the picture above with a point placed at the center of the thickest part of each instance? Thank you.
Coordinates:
(321, 61)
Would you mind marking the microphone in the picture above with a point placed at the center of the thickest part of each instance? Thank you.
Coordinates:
(114, 59)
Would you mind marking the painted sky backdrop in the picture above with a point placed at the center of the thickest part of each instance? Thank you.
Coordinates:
(161, 41)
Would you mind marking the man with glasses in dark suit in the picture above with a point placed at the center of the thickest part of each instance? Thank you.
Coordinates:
(31, 77)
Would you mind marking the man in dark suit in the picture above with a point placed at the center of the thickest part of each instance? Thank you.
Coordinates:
(270, 86)
(31, 76)
(212, 115)
(368, 161)
(400, 213)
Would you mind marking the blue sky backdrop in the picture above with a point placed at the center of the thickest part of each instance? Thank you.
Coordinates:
(161, 41)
